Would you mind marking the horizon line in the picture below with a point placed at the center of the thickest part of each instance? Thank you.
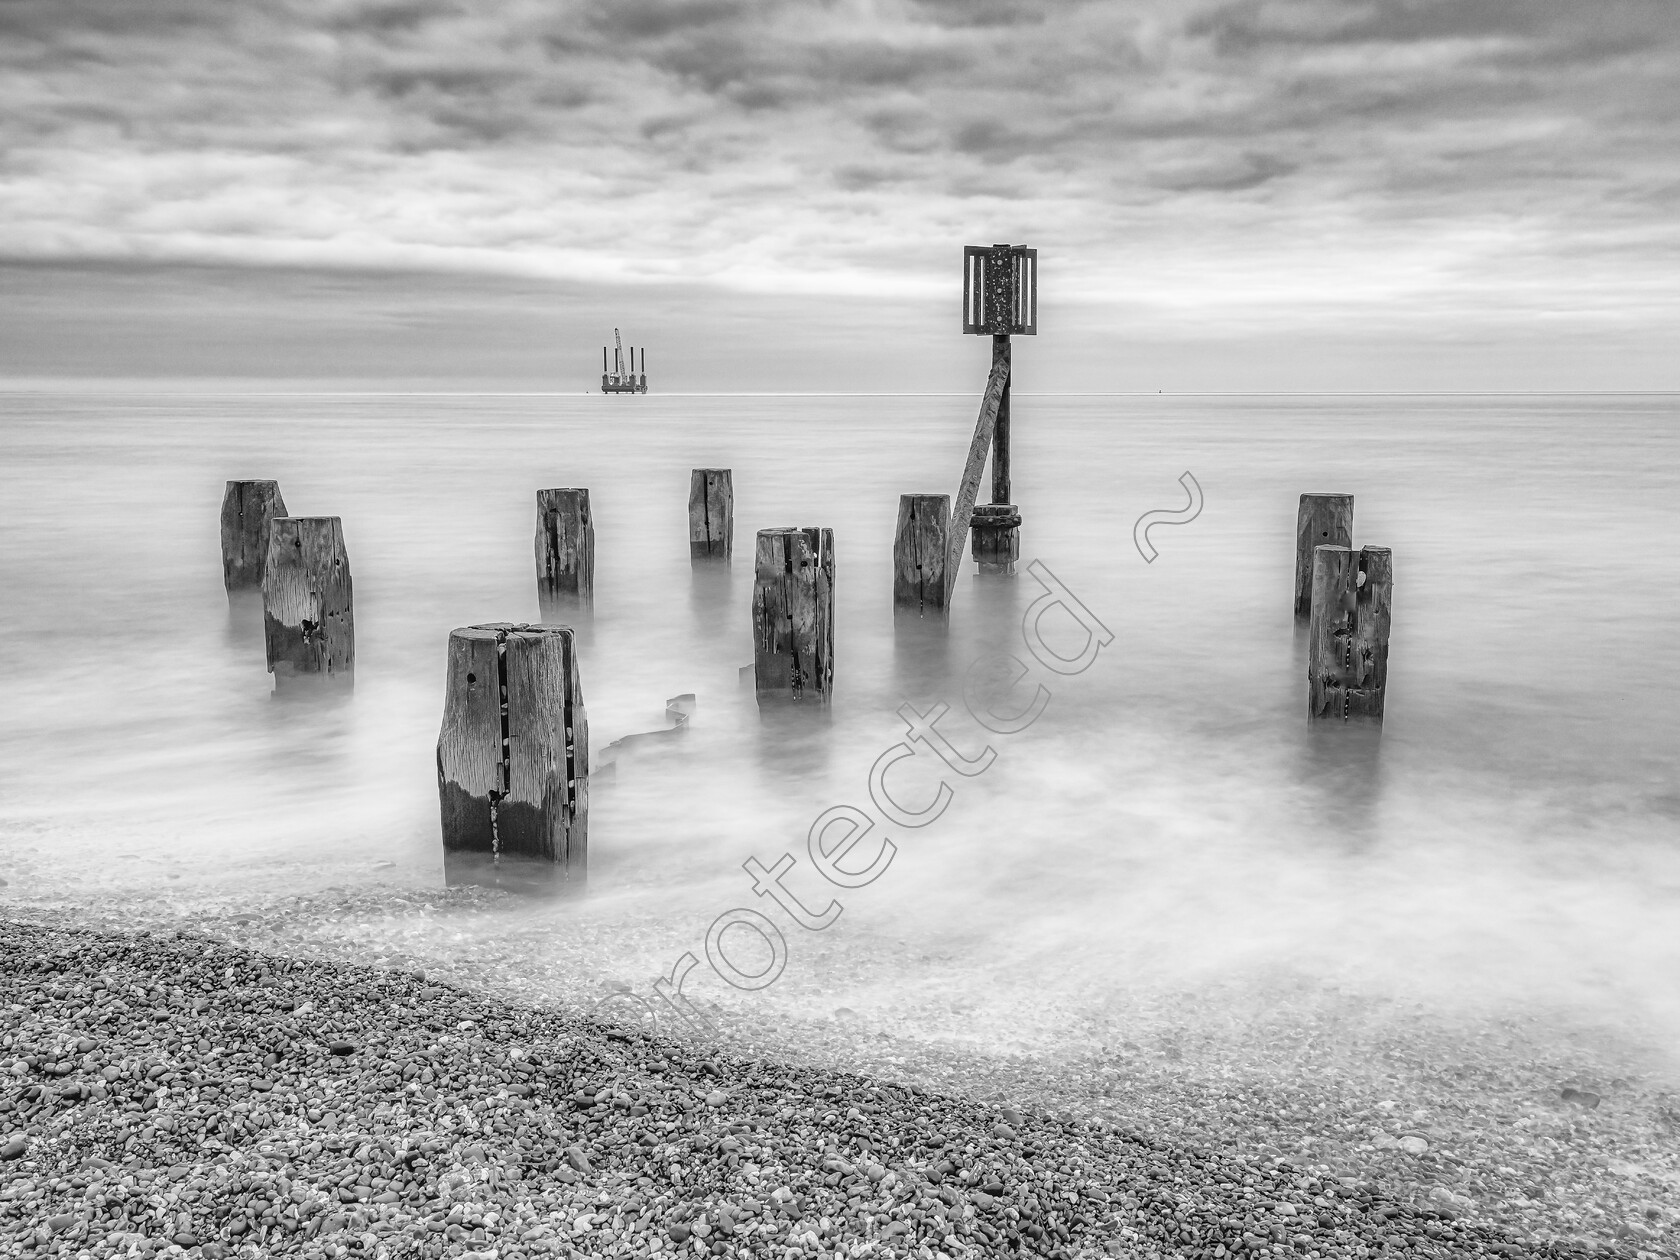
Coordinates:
(48, 385)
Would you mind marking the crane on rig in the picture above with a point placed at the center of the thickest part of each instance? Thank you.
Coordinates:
(623, 378)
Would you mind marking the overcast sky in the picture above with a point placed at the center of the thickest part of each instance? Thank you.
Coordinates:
(1312, 194)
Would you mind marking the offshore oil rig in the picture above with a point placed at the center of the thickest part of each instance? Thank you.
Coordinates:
(619, 380)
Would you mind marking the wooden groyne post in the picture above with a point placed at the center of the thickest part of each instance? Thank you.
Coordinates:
(565, 550)
(1000, 300)
(309, 626)
(1347, 641)
(711, 514)
(248, 512)
(793, 614)
(1324, 520)
(921, 545)
(513, 758)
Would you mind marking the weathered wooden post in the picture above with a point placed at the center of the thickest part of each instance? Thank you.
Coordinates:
(565, 550)
(1347, 642)
(513, 758)
(711, 514)
(1000, 299)
(248, 512)
(1324, 520)
(793, 614)
(309, 628)
(920, 547)
(921, 658)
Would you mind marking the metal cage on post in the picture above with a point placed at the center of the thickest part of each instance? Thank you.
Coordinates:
(1000, 290)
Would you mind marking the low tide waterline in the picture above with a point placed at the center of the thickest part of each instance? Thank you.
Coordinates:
(1168, 828)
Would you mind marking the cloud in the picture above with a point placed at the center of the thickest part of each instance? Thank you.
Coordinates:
(1209, 160)
(992, 140)
(659, 19)
(862, 178)
(985, 13)
(1250, 170)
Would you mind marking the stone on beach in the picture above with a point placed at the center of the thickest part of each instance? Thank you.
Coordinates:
(465, 1125)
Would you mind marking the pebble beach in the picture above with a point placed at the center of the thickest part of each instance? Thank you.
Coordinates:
(170, 1093)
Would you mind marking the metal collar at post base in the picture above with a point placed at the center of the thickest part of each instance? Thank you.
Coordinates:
(995, 531)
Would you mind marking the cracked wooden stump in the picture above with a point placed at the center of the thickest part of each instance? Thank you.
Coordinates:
(309, 629)
(1347, 638)
(920, 548)
(793, 614)
(565, 546)
(513, 759)
(711, 514)
(248, 512)
(1324, 520)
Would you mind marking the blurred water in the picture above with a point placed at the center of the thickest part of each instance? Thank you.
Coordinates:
(1168, 823)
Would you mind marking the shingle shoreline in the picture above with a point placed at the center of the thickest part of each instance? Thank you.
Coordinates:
(171, 1093)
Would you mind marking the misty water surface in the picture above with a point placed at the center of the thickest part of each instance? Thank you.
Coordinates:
(1511, 843)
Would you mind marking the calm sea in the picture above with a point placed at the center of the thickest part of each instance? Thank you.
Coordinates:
(1169, 825)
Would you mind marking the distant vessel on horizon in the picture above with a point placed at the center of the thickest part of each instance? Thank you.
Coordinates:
(618, 380)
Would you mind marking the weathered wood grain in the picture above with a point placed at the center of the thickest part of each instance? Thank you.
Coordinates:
(565, 547)
(978, 447)
(248, 512)
(920, 546)
(1324, 520)
(1330, 631)
(470, 759)
(1348, 631)
(547, 807)
(793, 614)
(1373, 615)
(309, 628)
(513, 758)
(711, 514)
(1000, 445)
